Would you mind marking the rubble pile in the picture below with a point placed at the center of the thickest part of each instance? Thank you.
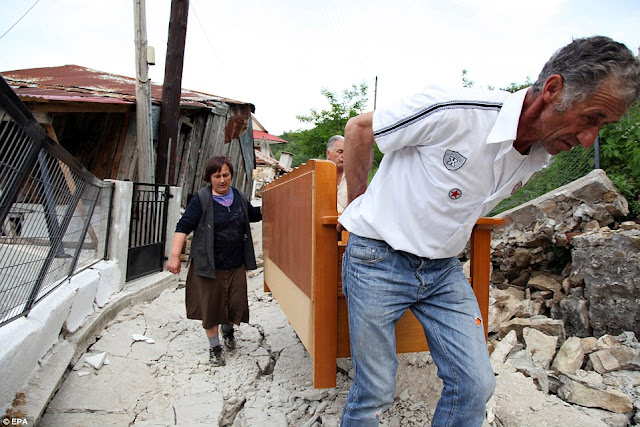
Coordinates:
(537, 236)
(564, 307)
(592, 372)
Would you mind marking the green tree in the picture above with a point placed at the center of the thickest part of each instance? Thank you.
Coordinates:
(312, 143)
(292, 147)
(331, 121)
(620, 156)
(465, 80)
(514, 87)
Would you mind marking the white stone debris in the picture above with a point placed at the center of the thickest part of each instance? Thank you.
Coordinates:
(96, 361)
(138, 337)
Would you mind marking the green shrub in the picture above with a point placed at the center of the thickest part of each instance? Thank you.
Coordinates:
(620, 157)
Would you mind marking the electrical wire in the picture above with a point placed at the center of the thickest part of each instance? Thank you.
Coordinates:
(16, 23)
(193, 8)
(221, 66)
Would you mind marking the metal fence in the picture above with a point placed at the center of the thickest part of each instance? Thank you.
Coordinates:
(148, 230)
(54, 214)
(563, 168)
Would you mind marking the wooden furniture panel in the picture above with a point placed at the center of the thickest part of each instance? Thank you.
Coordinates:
(300, 255)
(303, 267)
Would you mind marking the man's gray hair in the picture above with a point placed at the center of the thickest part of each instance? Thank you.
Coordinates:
(333, 140)
(586, 63)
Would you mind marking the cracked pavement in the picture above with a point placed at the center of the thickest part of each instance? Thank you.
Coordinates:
(267, 380)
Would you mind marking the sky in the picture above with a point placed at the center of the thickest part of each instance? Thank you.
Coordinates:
(280, 54)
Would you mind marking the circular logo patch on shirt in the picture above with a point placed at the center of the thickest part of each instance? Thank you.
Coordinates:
(453, 160)
(516, 187)
(455, 193)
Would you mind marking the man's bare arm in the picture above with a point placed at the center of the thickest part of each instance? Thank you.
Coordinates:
(358, 153)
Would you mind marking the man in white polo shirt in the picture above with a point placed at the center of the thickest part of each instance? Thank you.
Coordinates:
(450, 156)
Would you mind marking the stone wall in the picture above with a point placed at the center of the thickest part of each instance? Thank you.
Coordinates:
(537, 235)
(609, 264)
(262, 175)
(564, 310)
(559, 250)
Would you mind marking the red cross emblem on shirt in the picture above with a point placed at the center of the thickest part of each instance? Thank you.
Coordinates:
(455, 193)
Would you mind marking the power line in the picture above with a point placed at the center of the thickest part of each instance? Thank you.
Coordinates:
(191, 6)
(221, 66)
(25, 14)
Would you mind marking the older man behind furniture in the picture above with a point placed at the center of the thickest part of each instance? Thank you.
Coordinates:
(450, 157)
(335, 153)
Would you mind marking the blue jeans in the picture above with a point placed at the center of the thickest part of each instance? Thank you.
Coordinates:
(380, 284)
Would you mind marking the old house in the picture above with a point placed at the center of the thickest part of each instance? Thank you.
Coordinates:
(267, 166)
(92, 115)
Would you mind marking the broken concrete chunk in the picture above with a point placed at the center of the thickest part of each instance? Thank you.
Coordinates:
(97, 360)
(314, 395)
(137, 337)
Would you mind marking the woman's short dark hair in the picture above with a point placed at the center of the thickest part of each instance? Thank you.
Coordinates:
(215, 165)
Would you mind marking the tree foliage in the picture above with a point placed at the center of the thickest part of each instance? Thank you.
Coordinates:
(312, 143)
(465, 79)
(620, 156)
(514, 87)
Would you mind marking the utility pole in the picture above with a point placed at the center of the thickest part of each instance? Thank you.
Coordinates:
(144, 140)
(171, 89)
(375, 94)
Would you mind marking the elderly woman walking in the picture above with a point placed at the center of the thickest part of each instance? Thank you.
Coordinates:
(221, 252)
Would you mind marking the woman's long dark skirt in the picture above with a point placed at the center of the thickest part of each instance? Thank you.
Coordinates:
(218, 301)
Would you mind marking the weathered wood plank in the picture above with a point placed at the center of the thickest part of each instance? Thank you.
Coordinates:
(121, 143)
(193, 148)
(128, 161)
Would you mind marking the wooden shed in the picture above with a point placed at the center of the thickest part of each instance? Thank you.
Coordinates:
(92, 115)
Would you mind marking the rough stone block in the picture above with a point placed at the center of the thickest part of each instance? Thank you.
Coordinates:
(542, 347)
(570, 356)
(609, 262)
(582, 394)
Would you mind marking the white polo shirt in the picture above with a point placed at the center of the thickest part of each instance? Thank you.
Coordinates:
(448, 160)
